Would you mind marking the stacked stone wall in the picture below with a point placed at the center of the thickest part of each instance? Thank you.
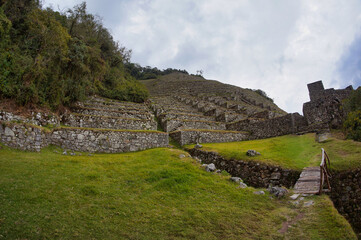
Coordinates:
(176, 124)
(108, 141)
(27, 137)
(184, 137)
(346, 196)
(23, 136)
(254, 174)
(90, 121)
(109, 113)
(288, 124)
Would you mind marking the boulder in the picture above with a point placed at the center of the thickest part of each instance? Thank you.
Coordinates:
(198, 146)
(279, 192)
(210, 167)
(236, 179)
(242, 185)
(252, 153)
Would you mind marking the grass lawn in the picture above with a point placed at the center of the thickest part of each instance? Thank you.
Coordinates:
(151, 194)
(293, 151)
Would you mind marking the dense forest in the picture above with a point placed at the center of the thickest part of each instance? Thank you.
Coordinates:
(52, 59)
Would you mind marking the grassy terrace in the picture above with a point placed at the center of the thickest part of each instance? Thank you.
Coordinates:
(292, 151)
(150, 194)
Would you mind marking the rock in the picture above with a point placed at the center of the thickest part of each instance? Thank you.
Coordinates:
(80, 137)
(259, 193)
(210, 167)
(279, 192)
(295, 203)
(242, 185)
(9, 132)
(295, 196)
(198, 146)
(309, 203)
(65, 153)
(275, 176)
(55, 151)
(236, 179)
(323, 137)
(302, 198)
(252, 153)
(90, 154)
(182, 156)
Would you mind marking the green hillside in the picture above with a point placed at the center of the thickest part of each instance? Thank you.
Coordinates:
(293, 151)
(152, 194)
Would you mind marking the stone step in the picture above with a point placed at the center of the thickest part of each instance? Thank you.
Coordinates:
(91, 121)
(110, 113)
(184, 137)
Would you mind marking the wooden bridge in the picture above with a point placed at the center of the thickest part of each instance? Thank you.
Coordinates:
(313, 179)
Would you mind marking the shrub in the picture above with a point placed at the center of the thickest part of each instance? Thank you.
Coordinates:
(352, 125)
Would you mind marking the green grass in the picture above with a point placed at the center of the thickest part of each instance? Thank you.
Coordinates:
(293, 151)
(150, 194)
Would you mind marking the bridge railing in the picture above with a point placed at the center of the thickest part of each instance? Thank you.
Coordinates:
(325, 172)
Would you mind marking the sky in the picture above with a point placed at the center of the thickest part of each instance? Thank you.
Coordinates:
(278, 46)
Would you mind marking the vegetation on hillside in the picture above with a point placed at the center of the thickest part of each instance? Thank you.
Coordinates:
(52, 59)
(144, 73)
(151, 194)
(293, 151)
(352, 124)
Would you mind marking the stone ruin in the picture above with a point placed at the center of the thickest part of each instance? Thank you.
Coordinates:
(188, 109)
(325, 105)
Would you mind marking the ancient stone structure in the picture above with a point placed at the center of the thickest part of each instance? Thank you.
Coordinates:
(33, 138)
(325, 104)
(101, 126)
(254, 174)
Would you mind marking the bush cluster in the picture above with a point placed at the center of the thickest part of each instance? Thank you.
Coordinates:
(352, 123)
(53, 59)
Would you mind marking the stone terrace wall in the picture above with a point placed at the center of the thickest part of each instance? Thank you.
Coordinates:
(254, 174)
(27, 137)
(288, 124)
(203, 136)
(175, 124)
(108, 141)
(346, 196)
(90, 121)
(23, 136)
(109, 113)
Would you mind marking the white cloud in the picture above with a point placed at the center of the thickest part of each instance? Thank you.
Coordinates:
(278, 46)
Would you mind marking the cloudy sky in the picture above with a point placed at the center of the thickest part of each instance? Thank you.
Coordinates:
(278, 46)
